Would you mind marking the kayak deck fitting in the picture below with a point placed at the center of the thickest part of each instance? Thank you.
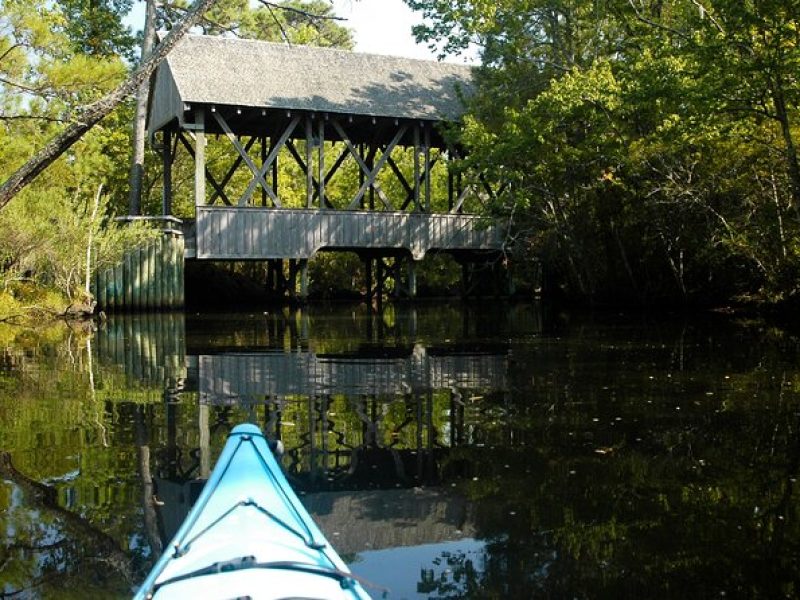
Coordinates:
(248, 535)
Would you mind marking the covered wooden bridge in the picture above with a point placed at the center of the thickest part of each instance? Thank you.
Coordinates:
(363, 139)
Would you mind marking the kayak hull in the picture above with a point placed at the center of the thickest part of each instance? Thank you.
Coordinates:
(248, 535)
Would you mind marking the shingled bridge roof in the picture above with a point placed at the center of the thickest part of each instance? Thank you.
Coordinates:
(251, 74)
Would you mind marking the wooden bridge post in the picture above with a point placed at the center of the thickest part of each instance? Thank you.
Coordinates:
(263, 144)
(321, 162)
(303, 268)
(427, 181)
(166, 158)
(309, 159)
(200, 157)
(417, 170)
(371, 166)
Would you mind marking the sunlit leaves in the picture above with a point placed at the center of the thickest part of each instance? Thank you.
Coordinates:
(44, 83)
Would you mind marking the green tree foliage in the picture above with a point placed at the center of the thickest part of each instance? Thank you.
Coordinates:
(648, 148)
(43, 84)
(95, 27)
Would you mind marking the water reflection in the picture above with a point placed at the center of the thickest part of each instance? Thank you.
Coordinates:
(447, 452)
(368, 407)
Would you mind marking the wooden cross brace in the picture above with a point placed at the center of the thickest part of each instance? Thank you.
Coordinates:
(258, 173)
(371, 174)
(423, 176)
(492, 194)
(328, 176)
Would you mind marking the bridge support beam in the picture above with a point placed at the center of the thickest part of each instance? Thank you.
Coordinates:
(167, 157)
(200, 157)
(302, 267)
(283, 279)
(412, 278)
(385, 274)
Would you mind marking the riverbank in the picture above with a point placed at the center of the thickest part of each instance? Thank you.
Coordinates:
(31, 306)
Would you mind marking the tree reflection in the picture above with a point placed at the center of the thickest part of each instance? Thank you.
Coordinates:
(609, 458)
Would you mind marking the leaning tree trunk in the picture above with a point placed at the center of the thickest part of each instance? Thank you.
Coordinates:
(96, 111)
(140, 120)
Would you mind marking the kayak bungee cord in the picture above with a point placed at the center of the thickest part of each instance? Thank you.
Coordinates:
(180, 551)
(182, 548)
(286, 499)
(346, 580)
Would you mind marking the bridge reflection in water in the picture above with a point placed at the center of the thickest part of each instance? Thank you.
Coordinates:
(367, 408)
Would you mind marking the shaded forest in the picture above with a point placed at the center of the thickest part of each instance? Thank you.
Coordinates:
(648, 147)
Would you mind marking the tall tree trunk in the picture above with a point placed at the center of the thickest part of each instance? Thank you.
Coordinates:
(94, 112)
(793, 168)
(140, 120)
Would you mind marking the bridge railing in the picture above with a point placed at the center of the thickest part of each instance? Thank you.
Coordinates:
(230, 233)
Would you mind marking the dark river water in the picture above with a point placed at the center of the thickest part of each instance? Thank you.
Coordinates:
(447, 451)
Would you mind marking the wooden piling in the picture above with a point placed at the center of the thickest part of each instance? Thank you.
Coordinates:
(158, 269)
(99, 290)
(147, 278)
(119, 286)
(180, 264)
(149, 267)
(128, 275)
(108, 288)
(168, 254)
(136, 284)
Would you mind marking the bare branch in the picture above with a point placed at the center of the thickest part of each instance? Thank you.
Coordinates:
(704, 13)
(204, 21)
(275, 18)
(655, 24)
(32, 118)
(301, 12)
(39, 91)
(12, 48)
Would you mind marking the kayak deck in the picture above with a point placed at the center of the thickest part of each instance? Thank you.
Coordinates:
(249, 535)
